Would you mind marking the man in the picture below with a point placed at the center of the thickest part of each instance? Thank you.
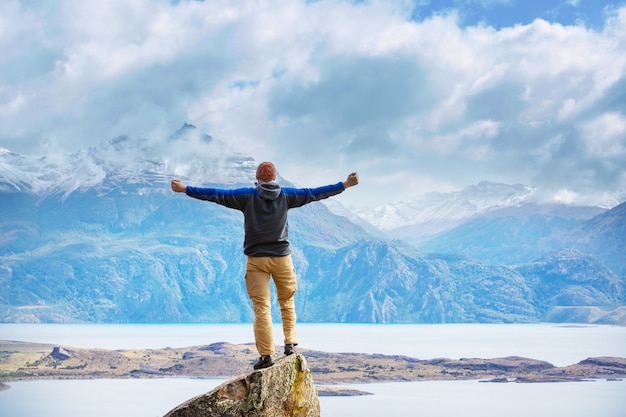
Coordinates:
(266, 246)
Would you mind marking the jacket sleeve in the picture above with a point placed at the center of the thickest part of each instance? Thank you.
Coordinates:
(297, 197)
(235, 199)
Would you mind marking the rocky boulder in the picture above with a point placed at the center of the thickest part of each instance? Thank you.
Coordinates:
(284, 389)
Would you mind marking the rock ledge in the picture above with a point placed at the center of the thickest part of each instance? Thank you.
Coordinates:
(284, 389)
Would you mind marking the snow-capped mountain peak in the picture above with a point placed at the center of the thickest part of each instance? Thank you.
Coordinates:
(448, 208)
(122, 161)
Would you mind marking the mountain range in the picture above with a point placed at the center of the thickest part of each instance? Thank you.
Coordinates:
(97, 236)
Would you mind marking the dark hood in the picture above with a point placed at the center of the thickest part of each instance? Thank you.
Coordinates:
(268, 190)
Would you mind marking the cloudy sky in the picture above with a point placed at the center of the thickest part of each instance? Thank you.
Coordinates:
(416, 96)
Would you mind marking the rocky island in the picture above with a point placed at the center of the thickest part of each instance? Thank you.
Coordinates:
(28, 361)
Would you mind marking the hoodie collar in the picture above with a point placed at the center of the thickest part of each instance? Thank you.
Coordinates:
(268, 190)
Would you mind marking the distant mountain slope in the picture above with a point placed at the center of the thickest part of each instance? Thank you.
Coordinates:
(572, 286)
(517, 235)
(512, 235)
(97, 236)
(604, 236)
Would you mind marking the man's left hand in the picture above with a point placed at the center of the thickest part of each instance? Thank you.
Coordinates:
(353, 179)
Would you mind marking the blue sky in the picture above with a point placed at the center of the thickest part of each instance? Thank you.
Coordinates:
(505, 13)
(416, 96)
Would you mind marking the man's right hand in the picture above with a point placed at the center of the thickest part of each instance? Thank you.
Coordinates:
(178, 186)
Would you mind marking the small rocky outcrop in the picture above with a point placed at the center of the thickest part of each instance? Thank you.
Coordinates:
(282, 390)
(59, 355)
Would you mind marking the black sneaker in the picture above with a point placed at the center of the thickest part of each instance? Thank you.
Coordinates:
(289, 349)
(264, 362)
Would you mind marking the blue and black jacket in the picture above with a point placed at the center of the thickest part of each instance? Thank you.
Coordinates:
(265, 211)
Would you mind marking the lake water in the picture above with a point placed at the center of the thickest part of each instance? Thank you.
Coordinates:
(558, 344)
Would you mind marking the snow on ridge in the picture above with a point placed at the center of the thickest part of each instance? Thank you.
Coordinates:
(480, 198)
(123, 161)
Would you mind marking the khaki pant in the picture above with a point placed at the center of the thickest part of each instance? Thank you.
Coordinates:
(258, 271)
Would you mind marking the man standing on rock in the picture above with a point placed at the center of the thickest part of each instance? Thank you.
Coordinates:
(266, 246)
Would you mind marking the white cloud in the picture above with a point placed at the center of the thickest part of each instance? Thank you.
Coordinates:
(544, 153)
(463, 138)
(109, 39)
(605, 136)
(12, 104)
(325, 86)
(566, 197)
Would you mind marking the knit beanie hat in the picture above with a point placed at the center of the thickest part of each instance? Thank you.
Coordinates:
(266, 172)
